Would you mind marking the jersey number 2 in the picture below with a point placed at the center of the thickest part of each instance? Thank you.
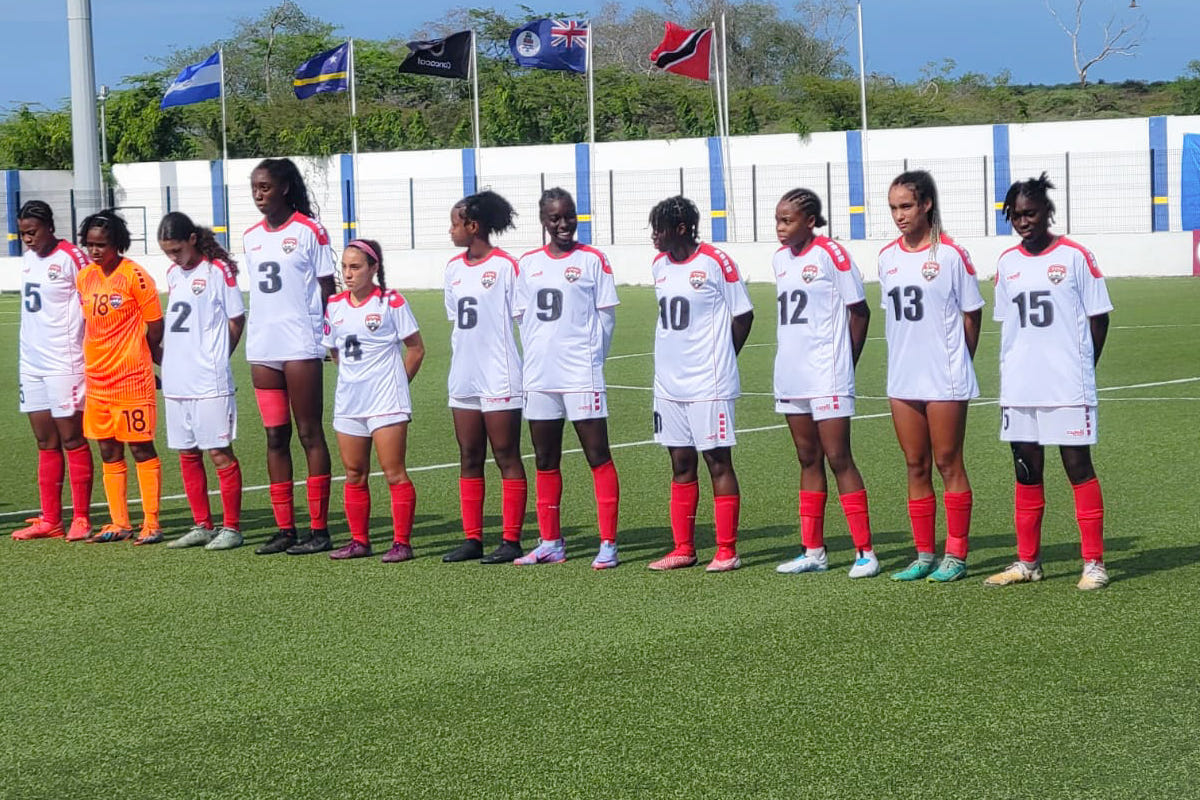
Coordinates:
(184, 311)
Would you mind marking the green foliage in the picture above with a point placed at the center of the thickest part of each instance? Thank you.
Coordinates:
(33, 140)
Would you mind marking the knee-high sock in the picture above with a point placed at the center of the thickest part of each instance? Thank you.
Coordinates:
(470, 497)
(116, 483)
(514, 494)
(608, 499)
(922, 513)
(357, 497)
(548, 486)
(958, 522)
(685, 497)
(854, 506)
(812, 519)
(317, 489)
(404, 506)
(1089, 514)
(149, 476)
(79, 461)
(195, 486)
(283, 506)
(726, 508)
(230, 480)
(1029, 506)
(51, 469)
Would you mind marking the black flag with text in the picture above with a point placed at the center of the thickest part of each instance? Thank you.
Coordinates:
(443, 58)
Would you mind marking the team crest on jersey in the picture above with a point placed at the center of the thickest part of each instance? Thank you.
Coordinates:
(289, 244)
(54, 272)
(115, 300)
(809, 273)
(572, 274)
(930, 270)
(488, 279)
(696, 279)
(1056, 273)
(199, 285)
(373, 321)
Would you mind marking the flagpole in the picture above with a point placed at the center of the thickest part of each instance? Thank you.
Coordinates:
(591, 92)
(224, 147)
(725, 154)
(354, 132)
(862, 90)
(475, 102)
(716, 59)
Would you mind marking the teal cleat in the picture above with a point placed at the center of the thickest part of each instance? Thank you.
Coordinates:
(952, 568)
(915, 571)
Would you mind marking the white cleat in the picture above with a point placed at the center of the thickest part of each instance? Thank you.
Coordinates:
(1095, 576)
(865, 566)
(805, 562)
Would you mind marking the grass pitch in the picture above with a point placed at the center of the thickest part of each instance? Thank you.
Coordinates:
(144, 672)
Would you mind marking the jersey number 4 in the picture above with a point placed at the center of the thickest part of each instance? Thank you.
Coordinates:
(352, 348)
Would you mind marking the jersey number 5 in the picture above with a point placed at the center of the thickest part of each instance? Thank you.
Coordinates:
(33, 300)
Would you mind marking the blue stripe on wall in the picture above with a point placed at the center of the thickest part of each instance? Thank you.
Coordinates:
(583, 192)
(219, 208)
(716, 189)
(1159, 193)
(349, 190)
(858, 191)
(1002, 175)
(470, 179)
(12, 196)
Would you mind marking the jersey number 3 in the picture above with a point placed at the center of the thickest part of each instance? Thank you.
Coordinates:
(271, 282)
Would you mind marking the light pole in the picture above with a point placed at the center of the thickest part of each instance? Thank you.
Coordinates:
(103, 98)
(862, 92)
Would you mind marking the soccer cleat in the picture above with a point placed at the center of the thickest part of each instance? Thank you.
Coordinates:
(915, 571)
(197, 536)
(149, 536)
(38, 529)
(80, 530)
(547, 552)
(1095, 576)
(469, 550)
(316, 542)
(1017, 572)
(110, 533)
(805, 563)
(506, 553)
(399, 552)
(676, 559)
(865, 566)
(607, 557)
(724, 564)
(280, 542)
(952, 568)
(355, 549)
(226, 539)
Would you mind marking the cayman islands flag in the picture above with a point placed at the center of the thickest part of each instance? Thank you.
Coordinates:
(551, 44)
(195, 83)
(684, 52)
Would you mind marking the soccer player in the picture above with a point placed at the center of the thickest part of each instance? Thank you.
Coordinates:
(1052, 306)
(123, 332)
(205, 318)
(704, 317)
(52, 385)
(933, 309)
(291, 278)
(566, 301)
(365, 327)
(485, 373)
(823, 319)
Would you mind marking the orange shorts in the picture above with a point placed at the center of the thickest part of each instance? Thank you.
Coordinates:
(125, 422)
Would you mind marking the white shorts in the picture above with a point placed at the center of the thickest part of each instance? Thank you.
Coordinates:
(486, 404)
(1061, 425)
(209, 423)
(819, 407)
(275, 365)
(365, 426)
(566, 405)
(61, 395)
(702, 424)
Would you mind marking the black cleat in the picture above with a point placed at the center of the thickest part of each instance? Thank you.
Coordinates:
(281, 541)
(469, 550)
(317, 542)
(506, 553)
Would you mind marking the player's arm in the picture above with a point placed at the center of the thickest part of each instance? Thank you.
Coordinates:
(860, 321)
(414, 354)
(328, 289)
(971, 322)
(154, 337)
(1099, 326)
(236, 326)
(741, 330)
(608, 324)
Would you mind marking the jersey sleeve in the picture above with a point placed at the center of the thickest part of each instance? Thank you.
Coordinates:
(406, 323)
(849, 282)
(881, 268)
(145, 294)
(966, 284)
(606, 284)
(1000, 299)
(736, 296)
(231, 295)
(323, 260)
(328, 337)
(448, 295)
(520, 294)
(1092, 289)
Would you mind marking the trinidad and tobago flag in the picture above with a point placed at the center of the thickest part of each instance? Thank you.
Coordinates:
(684, 52)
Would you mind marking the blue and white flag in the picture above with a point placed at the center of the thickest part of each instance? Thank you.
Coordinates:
(551, 44)
(195, 83)
(324, 72)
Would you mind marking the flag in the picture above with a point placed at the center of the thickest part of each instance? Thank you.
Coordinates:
(684, 52)
(551, 44)
(444, 58)
(195, 83)
(324, 72)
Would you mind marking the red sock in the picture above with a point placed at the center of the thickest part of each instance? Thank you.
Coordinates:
(1029, 504)
(725, 520)
(195, 486)
(514, 495)
(1089, 513)
(404, 507)
(922, 514)
(812, 519)
(548, 485)
(51, 469)
(685, 497)
(608, 499)
(357, 497)
(470, 498)
(80, 462)
(854, 506)
(958, 522)
(317, 489)
(282, 506)
(230, 480)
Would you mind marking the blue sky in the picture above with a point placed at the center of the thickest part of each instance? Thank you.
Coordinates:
(984, 36)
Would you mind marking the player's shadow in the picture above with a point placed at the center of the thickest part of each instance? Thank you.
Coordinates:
(1147, 562)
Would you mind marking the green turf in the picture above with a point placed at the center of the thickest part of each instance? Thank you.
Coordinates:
(145, 672)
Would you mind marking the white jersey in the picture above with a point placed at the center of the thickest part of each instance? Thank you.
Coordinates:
(371, 378)
(285, 297)
(51, 312)
(557, 299)
(484, 361)
(815, 286)
(1043, 303)
(924, 300)
(200, 303)
(693, 343)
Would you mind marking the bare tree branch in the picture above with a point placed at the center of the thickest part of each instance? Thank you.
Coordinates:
(1124, 42)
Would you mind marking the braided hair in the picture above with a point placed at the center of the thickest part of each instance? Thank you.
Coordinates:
(921, 184)
(110, 221)
(39, 210)
(551, 195)
(284, 172)
(807, 201)
(669, 214)
(1036, 189)
(178, 227)
(491, 212)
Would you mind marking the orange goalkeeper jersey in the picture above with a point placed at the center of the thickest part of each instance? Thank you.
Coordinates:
(116, 354)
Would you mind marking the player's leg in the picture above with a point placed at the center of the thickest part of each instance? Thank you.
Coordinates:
(504, 434)
(546, 433)
(472, 453)
(182, 424)
(852, 494)
(947, 431)
(1089, 513)
(391, 448)
(306, 393)
(81, 469)
(593, 438)
(813, 492)
(672, 429)
(50, 474)
(149, 477)
(1029, 502)
(99, 424)
(355, 450)
(912, 431)
(271, 395)
(727, 502)
(229, 481)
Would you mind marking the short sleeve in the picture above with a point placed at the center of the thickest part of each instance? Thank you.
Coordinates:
(406, 323)
(145, 294)
(323, 260)
(328, 337)
(881, 270)
(1000, 299)
(448, 295)
(235, 306)
(737, 299)
(520, 295)
(1092, 289)
(849, 283)
(606, 284)
(967, 284)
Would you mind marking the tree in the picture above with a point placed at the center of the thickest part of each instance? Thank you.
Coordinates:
(1123, 42)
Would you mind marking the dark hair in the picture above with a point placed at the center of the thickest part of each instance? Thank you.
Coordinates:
(551, 195)
(112, 222)
(283, 171)
(178, 227)
(1036, 189)
(922, 186)
(491, 212)
(807, 201)
(669, 214)
(374, 262)
(39, 210)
